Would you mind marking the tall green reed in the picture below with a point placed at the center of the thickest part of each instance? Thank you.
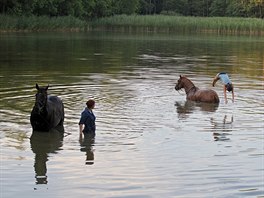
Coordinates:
(164, 23)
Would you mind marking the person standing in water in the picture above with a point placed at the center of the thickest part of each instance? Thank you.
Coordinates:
(228, 86)
(87, 120)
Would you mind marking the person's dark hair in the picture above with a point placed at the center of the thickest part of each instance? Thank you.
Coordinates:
(90, 103)
(229, 87)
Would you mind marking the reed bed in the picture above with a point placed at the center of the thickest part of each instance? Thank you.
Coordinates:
(163, 23)
(136, 23)
(40, 23)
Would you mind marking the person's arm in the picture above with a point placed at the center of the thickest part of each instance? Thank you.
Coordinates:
(80, 131)
(216, 78)
(225, 94)
(233, 95)
(80, 128)
(81, 123)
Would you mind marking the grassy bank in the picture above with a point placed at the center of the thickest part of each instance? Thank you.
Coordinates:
(40, 23)
(162, 23)
(136, 23)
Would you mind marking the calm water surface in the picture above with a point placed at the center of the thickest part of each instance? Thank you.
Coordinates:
(150, 141)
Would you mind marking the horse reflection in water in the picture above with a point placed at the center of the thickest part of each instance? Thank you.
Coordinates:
(42, 144)
(222, 129)
(86, 144)
(189, 107)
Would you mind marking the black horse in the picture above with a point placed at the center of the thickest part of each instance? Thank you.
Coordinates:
(48, 111)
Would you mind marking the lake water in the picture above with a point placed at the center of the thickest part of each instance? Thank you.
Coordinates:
(150, 142)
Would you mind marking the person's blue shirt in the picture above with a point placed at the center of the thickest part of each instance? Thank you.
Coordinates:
(224, 78)
(88, 119)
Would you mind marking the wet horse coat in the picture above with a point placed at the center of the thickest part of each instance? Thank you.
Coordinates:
(48, 111)
(194, 93)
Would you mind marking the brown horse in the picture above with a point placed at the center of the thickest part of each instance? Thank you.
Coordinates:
(194, 93)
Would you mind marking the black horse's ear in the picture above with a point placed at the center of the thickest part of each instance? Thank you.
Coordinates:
(37, 87)
(47, 87)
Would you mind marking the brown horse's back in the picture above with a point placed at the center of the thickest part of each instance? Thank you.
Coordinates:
(207, 95)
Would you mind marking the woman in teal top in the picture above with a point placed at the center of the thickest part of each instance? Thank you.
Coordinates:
(227, 83)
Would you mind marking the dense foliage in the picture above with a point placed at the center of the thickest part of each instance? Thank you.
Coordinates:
(89, 9)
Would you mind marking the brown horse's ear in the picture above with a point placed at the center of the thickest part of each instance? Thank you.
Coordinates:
(37, 87)
(180, 76)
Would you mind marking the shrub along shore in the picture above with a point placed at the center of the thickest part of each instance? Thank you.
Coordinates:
(40, 23)
(135, 23)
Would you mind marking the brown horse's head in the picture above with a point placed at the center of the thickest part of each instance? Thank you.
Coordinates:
(180, 83)
(41, 98)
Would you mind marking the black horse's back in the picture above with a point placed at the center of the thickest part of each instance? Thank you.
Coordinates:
(56, 110)
(48, 111)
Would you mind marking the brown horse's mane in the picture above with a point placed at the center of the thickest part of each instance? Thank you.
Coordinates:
(189, 84)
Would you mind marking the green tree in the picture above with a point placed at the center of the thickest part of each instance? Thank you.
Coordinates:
(146, 7)
(45, 7)
(90, 9)
(70, 7)
(16, 7)
(218, 8)
(175, 6)
(101, 8)
(259, 5)
(124, 7)
(246, 8)
(253, 8)
(196, 7)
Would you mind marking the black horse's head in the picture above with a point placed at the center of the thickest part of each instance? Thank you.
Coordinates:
(41, 98)
(180, 84)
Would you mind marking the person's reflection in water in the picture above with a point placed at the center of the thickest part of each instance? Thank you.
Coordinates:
(222, 129)
(43, 143)
(87, 143)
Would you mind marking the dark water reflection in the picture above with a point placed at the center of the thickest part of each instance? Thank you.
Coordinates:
(189, 107)
(42, 144)
(150, 141)
(87, 143)
(221, 130)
